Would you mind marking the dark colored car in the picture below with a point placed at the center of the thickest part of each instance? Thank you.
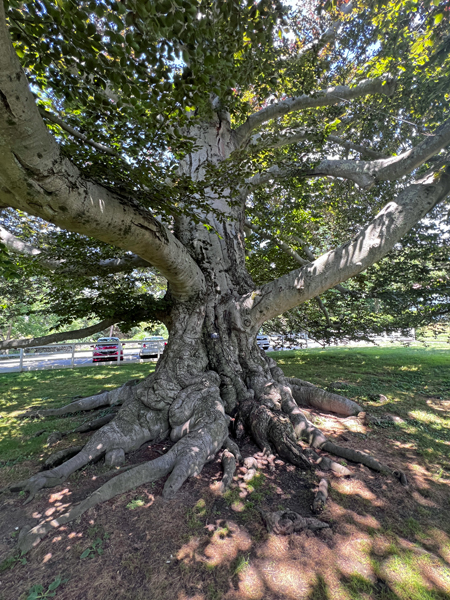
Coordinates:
(107, 348)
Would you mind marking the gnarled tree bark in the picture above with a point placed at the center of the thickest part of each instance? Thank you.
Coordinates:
(212, 368)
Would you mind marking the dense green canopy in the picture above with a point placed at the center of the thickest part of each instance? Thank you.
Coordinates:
(118, 83)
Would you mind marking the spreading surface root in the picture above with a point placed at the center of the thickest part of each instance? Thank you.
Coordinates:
(272, 428)
(193, 413)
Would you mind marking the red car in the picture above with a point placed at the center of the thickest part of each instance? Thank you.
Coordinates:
(107, 349)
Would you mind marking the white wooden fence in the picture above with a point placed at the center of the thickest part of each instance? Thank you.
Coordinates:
(80, 354)
(67, 355)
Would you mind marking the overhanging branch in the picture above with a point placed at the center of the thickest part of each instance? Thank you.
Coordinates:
(35, 177)
(364, 173)
(370, 245)
(107, 266)
(54, 338)
(330, 97)
(301, 261)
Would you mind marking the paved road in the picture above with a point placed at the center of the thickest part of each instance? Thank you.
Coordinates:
(59, 360)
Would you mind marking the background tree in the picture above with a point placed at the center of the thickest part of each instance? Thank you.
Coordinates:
(164, 130)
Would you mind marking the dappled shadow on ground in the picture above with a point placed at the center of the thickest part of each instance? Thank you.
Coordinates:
(385, 542)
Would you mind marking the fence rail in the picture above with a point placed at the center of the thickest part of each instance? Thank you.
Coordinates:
(80, 354)
(64, 355)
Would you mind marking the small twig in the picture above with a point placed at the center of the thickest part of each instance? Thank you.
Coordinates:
(54, 119)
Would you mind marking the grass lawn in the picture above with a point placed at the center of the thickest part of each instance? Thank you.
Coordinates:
(415, 382)
(386, 542)
(50, 389)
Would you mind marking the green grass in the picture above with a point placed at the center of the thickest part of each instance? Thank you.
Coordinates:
(409, 561)
(414, 381)
(137, 502)
(50, 389)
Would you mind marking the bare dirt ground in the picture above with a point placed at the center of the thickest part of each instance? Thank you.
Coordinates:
(385, 541)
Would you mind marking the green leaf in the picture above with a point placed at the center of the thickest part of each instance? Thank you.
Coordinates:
(56, 583)
(438, 18)
(86, 553)
(35, 592)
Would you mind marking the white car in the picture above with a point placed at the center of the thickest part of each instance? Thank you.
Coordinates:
(263, 341)
(152, 346)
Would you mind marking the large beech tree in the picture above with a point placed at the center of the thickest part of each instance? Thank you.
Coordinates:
(177, 132)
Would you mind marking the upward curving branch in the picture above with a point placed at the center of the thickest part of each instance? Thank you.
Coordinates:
(35, 177)
(335, 95)
(370, 245)
(364, 173)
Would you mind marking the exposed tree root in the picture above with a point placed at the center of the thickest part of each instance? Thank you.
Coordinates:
(133, 426)
(101, 400)
(95, 423)
(355, 456)
(308, 394)
(285, 522)
(323, 400)
(320, 499)
(57, 458)
(326, 464)
(186, 401)
(269, 427)
(186, 458)
(229, 469)
(305, 430)
(232, 447)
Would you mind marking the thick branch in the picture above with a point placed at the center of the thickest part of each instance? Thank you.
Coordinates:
(364, 173)
(363, 150)
(54, 338)
(347, 169)
(312, 258)
(290, 252)
(290, 136)
(110, 265)
(35, 177)
(336, 95)
(372, 243)
(301, 261)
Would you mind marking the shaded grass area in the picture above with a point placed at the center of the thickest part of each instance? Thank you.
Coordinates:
(415, 383)
(384, 543)
(50, 389)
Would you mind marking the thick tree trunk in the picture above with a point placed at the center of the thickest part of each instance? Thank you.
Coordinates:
(212, 370)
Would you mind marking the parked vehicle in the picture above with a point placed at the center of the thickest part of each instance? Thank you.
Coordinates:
(263, 341)
(152, 346)
(107, 348)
